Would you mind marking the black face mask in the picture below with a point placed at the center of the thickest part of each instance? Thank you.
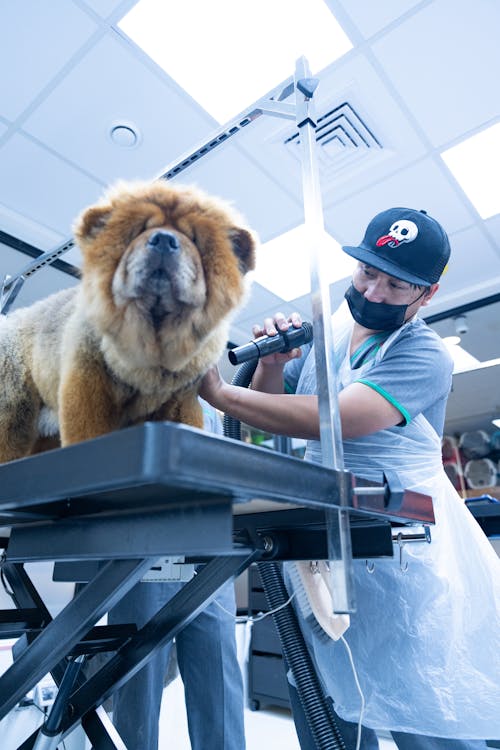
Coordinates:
(377, 316)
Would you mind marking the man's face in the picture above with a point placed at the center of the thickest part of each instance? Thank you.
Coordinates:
(377, 286)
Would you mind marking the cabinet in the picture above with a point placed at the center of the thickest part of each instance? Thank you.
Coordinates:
(267, 683)
(486, 511)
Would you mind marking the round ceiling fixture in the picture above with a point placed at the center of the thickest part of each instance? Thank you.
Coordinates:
(124, 134)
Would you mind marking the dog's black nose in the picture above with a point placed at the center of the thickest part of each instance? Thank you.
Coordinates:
(164, 242)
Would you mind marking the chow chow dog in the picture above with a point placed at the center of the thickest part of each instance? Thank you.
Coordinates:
(164, 268)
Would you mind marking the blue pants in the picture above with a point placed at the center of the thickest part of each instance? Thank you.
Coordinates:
(206, 653)
(369, 741)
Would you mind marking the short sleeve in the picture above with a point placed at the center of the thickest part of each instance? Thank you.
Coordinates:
(414, 374)
(293, 368)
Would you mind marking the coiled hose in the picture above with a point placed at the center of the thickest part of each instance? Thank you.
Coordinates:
(317, 710)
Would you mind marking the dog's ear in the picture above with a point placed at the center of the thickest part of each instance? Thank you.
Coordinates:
(92, 221)
(244, 248)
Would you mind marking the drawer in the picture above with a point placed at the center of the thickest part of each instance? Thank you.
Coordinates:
(268, 677)
(265, 637)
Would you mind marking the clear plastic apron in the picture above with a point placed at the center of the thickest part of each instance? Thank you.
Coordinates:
(426, 636)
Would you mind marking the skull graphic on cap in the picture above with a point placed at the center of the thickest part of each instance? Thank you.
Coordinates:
(400, 231)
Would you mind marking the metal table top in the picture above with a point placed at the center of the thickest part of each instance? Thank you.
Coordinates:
(161, 464)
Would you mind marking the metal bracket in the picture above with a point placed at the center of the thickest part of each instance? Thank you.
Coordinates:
(11, 285)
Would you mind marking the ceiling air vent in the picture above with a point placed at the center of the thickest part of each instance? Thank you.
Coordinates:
(344, 141)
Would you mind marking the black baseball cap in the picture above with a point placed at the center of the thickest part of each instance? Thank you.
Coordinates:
(407, 244)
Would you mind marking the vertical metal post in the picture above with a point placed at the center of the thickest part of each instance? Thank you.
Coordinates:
(339, 538)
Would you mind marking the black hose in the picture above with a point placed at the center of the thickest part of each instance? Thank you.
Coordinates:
(317, 709)
(242, 377)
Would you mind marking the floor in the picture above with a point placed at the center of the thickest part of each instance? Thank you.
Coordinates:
(269, 727)
(264, 728)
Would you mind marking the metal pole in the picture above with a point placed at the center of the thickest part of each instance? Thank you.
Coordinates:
(339, 537)
(50, 734)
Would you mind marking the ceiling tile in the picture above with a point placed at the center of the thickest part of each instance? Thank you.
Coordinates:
(42, 187)
(32, 58)
(444, 62)
(372, 17)
(115, 86)
(260, 299)
(474, 400)
(473, 262)
(104, 8)
(493, 227)
(264, 202)
(421, 185)
(20, 226)
(464, 293)
(73, 256)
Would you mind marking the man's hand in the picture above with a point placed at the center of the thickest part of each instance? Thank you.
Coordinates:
(212, 388)
(272, 326)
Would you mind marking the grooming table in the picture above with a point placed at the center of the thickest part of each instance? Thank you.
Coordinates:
(119, 502)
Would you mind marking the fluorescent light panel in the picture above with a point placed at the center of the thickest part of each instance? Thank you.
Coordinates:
(283, 263)
(475, 164)
(228, 54)
(462, 360)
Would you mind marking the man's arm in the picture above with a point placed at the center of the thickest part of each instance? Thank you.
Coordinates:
(362, 409)
(269, 378)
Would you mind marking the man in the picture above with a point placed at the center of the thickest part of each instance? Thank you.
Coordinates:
(206, 653)
(425, 641)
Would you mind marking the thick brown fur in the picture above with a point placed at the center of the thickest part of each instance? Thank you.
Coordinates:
(163, 271)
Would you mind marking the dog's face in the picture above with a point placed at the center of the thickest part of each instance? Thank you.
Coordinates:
(162, 263)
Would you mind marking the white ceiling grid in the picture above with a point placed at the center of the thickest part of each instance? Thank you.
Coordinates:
(421, 75)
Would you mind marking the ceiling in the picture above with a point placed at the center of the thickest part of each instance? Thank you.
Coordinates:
(420, 78)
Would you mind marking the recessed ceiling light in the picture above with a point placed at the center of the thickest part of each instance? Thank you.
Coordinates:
(124, 135)
(228, 54)
(452, 340)
(475, 163)
(283, 263)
